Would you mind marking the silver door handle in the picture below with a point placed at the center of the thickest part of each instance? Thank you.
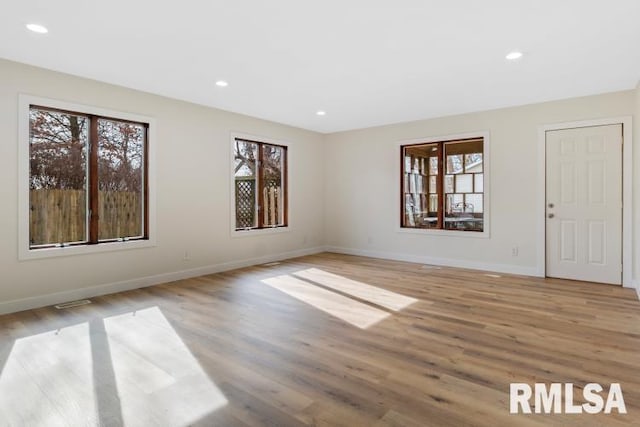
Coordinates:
(551, 215)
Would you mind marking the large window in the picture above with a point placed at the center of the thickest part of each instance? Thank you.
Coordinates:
(260, 179)
(443, 185)
(88, 178)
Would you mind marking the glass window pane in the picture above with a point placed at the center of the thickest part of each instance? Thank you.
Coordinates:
(245, 160)
(448, 184)
(433, 166)
(475, 202)
(420, 211)
(246, 154)
(464, 212)
(464, 183)
(409, 211)
(478, 183)
(407, 164)
(433, 188)
(433, 203)
(273, 189)
(120, 179)
(473, 163)
(58, 145)
(416, 165)
(454, 164)
(454, 204)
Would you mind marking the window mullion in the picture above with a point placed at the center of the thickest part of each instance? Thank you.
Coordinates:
(285, 188)
(145, 188)
(93, 180)
(260, 186)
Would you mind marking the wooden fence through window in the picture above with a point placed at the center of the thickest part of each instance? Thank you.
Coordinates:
(273, 209)
(59, 216)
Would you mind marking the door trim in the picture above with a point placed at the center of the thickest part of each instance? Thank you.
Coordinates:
(627, 190)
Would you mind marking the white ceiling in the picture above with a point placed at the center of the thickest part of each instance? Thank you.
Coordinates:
(366, 62)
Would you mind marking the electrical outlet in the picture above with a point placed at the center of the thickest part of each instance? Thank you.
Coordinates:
(186, 256)
(514, 251)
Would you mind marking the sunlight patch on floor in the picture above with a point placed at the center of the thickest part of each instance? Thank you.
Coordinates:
(154, 368)
(344, 308)
(131, 369)
(379, 296)
(48, 379)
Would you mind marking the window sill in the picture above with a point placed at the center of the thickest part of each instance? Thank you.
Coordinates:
(448, 233)
(259, 231)
(27, 254)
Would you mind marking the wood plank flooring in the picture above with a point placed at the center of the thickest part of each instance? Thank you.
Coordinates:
(323, 340)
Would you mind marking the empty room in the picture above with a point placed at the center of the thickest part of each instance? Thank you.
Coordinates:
(288, 213)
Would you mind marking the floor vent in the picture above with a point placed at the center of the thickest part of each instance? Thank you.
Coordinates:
(71, 304)
(431, 267)
(493, 275)
(271, 264)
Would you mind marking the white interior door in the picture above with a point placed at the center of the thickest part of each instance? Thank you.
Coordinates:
(584, 204)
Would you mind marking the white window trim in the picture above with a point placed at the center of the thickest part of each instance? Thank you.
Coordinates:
(26, 253)
(485, 234)
(232, 188)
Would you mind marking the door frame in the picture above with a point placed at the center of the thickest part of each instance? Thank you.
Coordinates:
(627, 191)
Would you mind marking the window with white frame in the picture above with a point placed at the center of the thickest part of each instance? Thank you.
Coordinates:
(85, 176)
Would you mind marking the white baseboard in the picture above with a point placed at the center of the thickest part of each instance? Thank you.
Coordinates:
(636, 284)
(446, 262)
(110, 288)
(141, 282)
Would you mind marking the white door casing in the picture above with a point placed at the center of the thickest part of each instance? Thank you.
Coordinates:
(584, 203)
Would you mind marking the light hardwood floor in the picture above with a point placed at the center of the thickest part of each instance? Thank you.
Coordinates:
(321, 340)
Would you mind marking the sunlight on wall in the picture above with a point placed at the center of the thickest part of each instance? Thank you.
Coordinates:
(132, 369)
(347, 309)
(372, 294)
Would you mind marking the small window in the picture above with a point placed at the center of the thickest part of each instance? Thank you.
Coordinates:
(87, 179)
(443, 185)
(260, 179)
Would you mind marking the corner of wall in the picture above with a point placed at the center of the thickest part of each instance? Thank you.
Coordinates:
(636, 192)
(325, 196)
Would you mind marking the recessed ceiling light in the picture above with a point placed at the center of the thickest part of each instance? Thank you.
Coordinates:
(37, 28)
(512, 56)
(222, 83)
(321, 113)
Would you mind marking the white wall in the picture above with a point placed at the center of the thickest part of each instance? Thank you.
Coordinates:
(193, 186)
(362, 207)
(342, 187)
